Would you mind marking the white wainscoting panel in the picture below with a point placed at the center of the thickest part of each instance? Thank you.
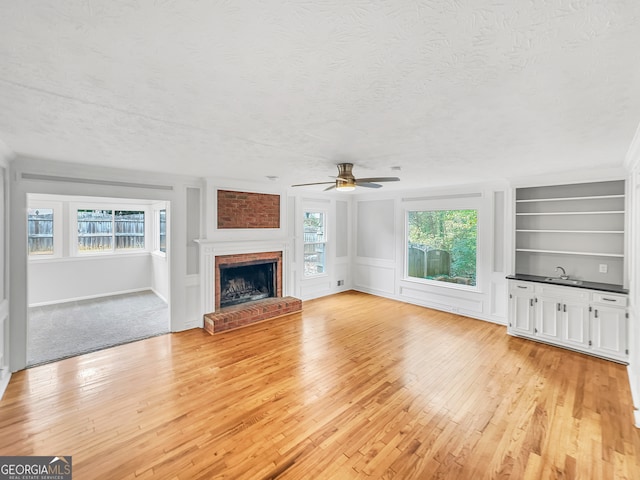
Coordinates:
(449, 301)
(375, 278)
(194, 317)
(320, 288)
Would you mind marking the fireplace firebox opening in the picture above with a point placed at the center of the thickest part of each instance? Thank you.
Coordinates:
(240, 283)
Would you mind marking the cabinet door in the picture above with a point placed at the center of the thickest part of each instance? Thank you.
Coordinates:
(609, 331)
(575, 324)
(521, 319)
(549, 318)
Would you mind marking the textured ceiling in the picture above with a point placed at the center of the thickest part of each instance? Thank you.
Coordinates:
(452, 91)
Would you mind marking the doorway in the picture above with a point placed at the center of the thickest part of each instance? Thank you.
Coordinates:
(97, 274)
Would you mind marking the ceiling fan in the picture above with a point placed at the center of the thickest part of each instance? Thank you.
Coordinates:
(345, 181)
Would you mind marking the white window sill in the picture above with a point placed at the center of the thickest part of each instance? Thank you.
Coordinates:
(95, 256)
(436, 283)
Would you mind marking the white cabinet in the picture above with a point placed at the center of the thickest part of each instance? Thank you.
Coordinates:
(581, 319)
(548, 317)
(521, 311)
(576, 324)
(609, 326)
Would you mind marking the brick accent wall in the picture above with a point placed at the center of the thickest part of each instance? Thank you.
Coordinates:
(248, 210)
(247, 259)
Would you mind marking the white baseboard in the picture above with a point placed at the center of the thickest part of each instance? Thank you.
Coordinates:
(91, 297)
(161, 297)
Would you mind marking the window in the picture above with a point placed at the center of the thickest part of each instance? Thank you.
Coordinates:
(162, 230)
(109, 230)
(314, 243)
(129, 230)
(442, 245)
(40, 233)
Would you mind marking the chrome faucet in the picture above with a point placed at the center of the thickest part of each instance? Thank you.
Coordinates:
(564, 275)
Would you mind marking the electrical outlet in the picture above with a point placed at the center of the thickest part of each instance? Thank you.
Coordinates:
(604, 268)
(340, 283)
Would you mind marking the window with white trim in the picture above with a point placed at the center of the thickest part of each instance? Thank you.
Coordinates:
(442, 245)
(40, 231)
(315, 243)
(103, 231)
(44, 230)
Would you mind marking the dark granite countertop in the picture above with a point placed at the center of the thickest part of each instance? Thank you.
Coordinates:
(604, 287)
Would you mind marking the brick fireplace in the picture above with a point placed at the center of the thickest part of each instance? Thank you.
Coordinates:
(244, 262)
(243, 272)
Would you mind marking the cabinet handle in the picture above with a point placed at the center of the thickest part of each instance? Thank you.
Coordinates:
(564, 308)
(531, 302)
(595, 313)
(521, 286)
(608, 299)
(558, 307)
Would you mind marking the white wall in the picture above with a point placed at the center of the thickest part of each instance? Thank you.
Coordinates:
(68, 279)
(380, 254)
(29, 175)
(633, 261)
(160, 276)
(5, 352)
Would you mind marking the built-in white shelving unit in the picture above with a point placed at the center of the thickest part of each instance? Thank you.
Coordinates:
(578, 226)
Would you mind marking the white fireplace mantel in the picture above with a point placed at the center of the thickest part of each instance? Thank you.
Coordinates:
(210, 249)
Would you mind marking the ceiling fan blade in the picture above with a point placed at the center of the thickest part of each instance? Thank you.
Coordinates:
(368, 185)
(330, 188)
(379, 179)
(316, 183)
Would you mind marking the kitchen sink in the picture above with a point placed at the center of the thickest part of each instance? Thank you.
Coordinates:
(563, 281)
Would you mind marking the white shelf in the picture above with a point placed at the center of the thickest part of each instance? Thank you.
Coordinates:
(560, 252)
(570, 213)
(569, 231)
(562, 199)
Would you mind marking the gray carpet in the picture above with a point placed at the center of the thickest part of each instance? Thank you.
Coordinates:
(69, 329)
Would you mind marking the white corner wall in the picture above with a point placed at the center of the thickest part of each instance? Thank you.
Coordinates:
(92, 276)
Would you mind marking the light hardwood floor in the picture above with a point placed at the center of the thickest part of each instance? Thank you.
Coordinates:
(355, 386)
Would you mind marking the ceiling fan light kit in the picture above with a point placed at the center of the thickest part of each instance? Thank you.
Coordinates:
(346, 182)
(344, 185)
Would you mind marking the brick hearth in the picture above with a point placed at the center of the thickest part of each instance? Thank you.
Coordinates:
(237, 316)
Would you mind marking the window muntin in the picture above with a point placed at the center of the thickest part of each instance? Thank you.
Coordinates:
(40, 231)
(110, 230)
(442, 246)
(315, 243)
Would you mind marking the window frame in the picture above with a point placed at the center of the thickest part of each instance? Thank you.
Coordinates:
(74, 250)
(56, 207)
(325, 242)
(450, 205)
(157, 244)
